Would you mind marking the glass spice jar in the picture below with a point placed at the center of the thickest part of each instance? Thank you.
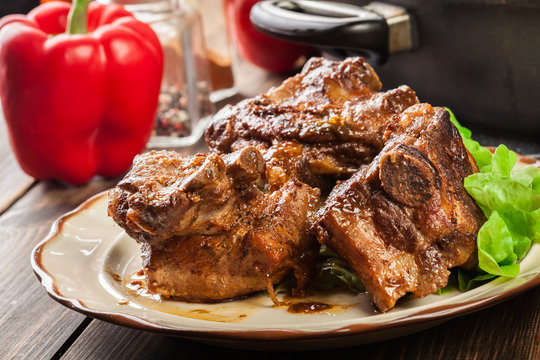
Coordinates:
(220, 50)
(184, 107)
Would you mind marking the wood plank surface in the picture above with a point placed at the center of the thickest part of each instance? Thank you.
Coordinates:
(13, 182)
(32, 325)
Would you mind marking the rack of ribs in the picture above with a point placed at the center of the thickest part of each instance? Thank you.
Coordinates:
(317, 126)
(403, 220)
(207, 232)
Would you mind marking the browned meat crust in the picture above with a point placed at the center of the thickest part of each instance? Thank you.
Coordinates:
(404, 220)
(207, 232)
(331, 115)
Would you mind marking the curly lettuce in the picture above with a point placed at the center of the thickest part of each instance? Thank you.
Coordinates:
(510, 199)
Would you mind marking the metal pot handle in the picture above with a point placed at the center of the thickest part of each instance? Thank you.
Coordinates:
(336, 28)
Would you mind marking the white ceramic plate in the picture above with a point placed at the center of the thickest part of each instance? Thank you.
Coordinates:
(89, 264)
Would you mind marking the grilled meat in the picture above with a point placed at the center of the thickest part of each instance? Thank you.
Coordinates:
(319, 125)
(402, 221)
(207, 232)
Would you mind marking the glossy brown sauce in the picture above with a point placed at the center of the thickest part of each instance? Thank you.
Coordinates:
(308, 307)
(137, 294)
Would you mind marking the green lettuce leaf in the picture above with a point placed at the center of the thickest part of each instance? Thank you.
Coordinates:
(450, 286)
(510, 199)
(338, 268)
(467, 280)
(334, 267)
(481, 155)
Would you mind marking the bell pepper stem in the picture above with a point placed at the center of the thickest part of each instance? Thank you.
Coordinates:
(77, 17)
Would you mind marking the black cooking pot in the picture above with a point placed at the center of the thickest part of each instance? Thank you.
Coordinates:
(481, 58)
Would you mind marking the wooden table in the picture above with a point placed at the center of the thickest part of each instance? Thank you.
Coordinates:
(33, 326)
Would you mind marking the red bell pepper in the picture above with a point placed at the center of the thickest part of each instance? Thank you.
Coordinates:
(79, 96)
(259, 49)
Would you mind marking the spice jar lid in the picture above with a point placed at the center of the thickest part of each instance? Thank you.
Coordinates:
(150, 8)
(130, 2)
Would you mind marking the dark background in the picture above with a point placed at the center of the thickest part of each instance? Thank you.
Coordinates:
(17, 6)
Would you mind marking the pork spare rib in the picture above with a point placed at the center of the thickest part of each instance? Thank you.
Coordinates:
(403, 220)
(319, 125)
(207, 232)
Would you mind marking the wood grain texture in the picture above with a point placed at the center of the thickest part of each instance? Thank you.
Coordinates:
(13, 181)
(32, 325)
(505, 331)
